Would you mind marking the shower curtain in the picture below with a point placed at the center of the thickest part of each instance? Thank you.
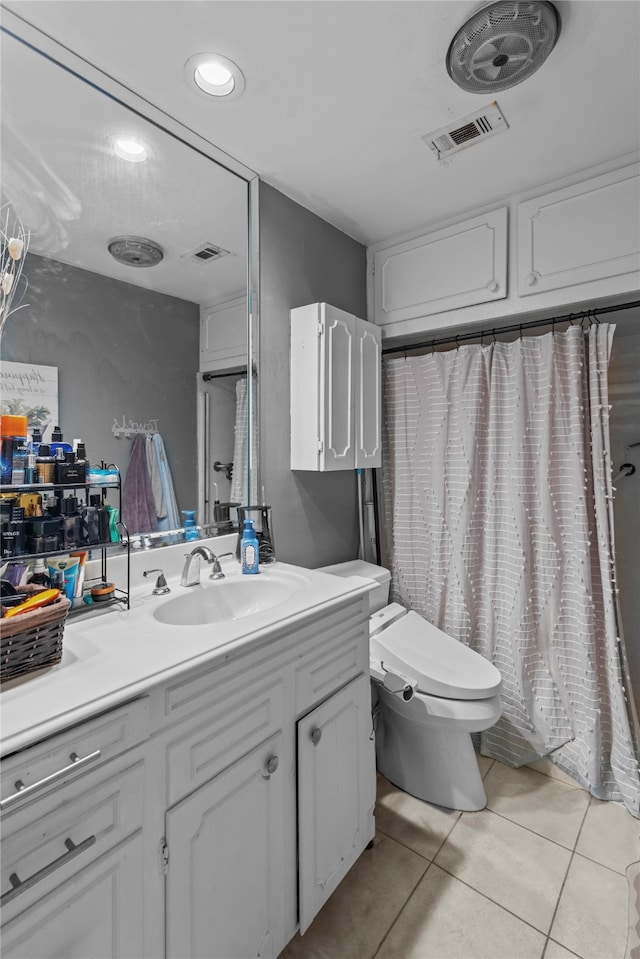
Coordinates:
(238, 492)
(498, 528)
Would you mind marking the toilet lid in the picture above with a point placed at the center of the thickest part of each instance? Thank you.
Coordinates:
(439, 664)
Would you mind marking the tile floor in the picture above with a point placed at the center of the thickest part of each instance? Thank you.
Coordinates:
(541, 873)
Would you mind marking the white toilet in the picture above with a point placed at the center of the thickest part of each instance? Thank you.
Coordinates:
(432, 693)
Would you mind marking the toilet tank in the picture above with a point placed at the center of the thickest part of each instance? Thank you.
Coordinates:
(379, 596)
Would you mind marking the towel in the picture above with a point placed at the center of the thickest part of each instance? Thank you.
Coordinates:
(138, 505)
(171, 519)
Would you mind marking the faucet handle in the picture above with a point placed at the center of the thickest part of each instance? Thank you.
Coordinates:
(216, 569)
(161, 584)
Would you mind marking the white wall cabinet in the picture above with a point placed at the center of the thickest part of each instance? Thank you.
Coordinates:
(176, 831)
(336, 792)
(584, 232)
(460, 265)
(335, 390)
(563, 246)
(223, 335)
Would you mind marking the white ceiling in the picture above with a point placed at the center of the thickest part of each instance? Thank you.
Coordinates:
(339, 94)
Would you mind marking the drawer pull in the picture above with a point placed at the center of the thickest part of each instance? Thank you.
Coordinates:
(23, 792)
(316, 736)
(19, 886)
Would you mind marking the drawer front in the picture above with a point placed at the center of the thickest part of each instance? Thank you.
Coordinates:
(336, 654)
(43, 846)
(240, 720)
(30, 773)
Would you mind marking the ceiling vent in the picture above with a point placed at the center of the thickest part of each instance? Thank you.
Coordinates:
(206, 253)
(464, 133)
(502, 44)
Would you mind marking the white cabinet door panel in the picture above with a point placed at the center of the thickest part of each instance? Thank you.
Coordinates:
(226, 863)
(458, 266)
(336, 424)
(368, 391)
(582, 233)
(336, 793)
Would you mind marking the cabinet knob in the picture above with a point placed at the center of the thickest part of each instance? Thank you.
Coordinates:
(531, 279)
(316, 736)
(272, 764)
(493, 286)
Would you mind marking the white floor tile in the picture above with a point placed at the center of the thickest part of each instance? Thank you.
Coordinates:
(555, 951)
(546, 806)
(610, 835)
(593, 915)
(516, 868)
(353, 922)
(549, 768)
(447, 919)
(417, 824)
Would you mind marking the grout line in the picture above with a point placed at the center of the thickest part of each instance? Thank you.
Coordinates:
(538, 834)
(404, 906)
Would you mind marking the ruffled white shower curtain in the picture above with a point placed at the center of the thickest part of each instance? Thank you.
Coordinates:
(238, 492)
(499, 529)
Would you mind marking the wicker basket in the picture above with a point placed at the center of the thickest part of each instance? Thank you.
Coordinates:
(32, 640)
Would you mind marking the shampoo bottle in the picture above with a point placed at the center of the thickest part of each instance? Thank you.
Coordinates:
(249, 549)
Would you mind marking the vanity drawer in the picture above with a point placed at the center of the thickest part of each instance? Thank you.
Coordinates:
(44, 766)
(43, 844)
(331, 659)
(240, 720)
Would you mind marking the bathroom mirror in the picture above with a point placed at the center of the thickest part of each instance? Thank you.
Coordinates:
(122, 328)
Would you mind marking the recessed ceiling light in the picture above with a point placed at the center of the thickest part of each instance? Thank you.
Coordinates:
(213, 75)
(127, 148)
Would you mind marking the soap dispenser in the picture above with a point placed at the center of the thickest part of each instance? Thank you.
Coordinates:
(249, 549)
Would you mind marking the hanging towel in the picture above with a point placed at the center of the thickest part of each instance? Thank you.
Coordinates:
(138, 506)
(156, 479)
(171, 519)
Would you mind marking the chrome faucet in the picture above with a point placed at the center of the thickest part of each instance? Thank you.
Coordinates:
(191, 572)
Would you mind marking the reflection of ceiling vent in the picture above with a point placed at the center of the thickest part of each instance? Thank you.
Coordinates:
(135, 251)
(206, 253)
(463, 133)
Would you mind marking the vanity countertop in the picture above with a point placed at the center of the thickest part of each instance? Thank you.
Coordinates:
(118, 654)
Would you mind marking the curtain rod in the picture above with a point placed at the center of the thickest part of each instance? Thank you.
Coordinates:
(515, 328)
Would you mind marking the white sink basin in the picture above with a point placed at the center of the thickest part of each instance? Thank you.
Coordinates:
(225, 599)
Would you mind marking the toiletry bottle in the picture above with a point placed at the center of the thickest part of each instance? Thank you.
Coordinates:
(103, 518)
(35, 439)
(39, 575)
(82, 463)
(191, 531)
(30, 475)
(70, 522)
(249, 549)
(45, 464)
(114, 513)
(57, 442)
(90, 523)
(14, 535)
(14, 449)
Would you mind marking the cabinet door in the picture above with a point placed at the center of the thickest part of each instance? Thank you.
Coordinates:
(458, 266)
(96, 913)
(337, 418)
(368, 388)
(223, 335)
(336, 792)
(581, 233)
(224, 893)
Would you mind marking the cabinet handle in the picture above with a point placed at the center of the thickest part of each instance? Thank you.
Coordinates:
(531, 279)
(273, 764)
(316, 736)
(23, 792)
(493, 286)
(19, 886)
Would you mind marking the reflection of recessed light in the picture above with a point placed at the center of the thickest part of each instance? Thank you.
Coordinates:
(214, 76)
(129, 149)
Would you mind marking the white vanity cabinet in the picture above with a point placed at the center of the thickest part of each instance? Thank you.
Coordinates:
(336, 403)
(223, 335)
(204, 817)
(72, 873)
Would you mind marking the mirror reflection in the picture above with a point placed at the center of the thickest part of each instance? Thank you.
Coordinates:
(135, 281)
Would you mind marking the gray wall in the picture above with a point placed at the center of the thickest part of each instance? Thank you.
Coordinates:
(302, 260)
(119, 350)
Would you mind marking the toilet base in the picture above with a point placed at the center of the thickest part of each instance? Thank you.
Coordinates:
(435, 764)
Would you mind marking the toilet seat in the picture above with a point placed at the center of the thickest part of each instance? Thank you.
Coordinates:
(405, 643)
